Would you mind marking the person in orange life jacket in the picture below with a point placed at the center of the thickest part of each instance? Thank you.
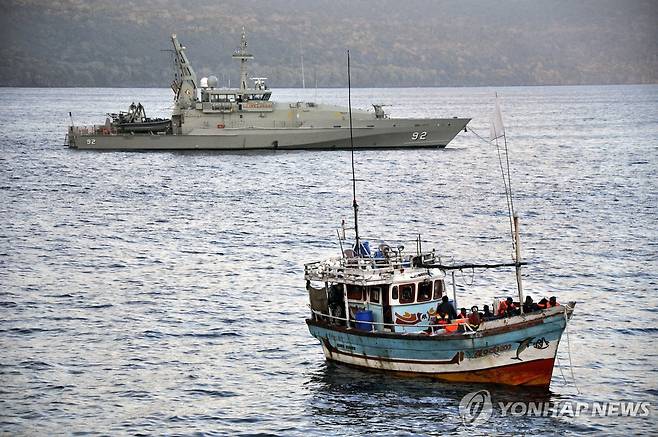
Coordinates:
(507, 308)
(543, 304)
(445, 308)
(502, 307)
(437, 323)
(462, 314)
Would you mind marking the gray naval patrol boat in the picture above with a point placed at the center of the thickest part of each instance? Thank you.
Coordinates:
(206, 117)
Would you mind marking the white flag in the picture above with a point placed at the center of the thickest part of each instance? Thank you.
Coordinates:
(497, 128)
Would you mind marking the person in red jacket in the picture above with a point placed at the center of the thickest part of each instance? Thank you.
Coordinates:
(507, 308)
(474, 318)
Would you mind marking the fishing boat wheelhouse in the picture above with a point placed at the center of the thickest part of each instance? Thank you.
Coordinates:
(386, 291)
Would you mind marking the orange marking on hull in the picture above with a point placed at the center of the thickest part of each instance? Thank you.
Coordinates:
(536, 374)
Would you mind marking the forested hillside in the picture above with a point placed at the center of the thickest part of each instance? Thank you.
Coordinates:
(393, 43)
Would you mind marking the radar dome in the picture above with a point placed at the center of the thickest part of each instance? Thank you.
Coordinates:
(212, 81)
(204, 82)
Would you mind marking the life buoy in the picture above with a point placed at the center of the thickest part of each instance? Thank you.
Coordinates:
(220, 126)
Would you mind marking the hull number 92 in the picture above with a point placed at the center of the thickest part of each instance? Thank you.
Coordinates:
(91, 141)
(418, 136)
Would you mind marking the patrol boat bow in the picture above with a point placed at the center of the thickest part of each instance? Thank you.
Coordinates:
(212, 118)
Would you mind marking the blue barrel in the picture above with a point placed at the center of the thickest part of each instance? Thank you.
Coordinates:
(364, 316)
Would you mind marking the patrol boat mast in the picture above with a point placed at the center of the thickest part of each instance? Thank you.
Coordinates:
(242, 54)
(184, 86)
(185, 81)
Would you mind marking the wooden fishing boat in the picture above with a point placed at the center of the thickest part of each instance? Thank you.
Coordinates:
(384, 309)
(377, 312)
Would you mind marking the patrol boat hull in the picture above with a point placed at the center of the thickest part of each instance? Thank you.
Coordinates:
(518, 351)
(400, 133)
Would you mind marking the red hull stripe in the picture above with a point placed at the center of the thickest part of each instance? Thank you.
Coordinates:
(536, 373)
(530, 373)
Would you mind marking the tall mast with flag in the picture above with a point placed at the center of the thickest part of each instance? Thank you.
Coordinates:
(355, 206)
(497, 129)
(497, 132)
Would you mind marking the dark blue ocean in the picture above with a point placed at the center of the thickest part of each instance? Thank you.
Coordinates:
(163, 292)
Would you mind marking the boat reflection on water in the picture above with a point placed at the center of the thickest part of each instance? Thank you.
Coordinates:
(348, 398)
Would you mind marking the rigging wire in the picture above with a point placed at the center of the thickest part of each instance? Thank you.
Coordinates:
(471, 130)
(509, 176)
(506, 178)
(461, 271)
(354, 204)
(496, 120)
(507, 195)
(510, 205)
(566, 327)
(559, 366)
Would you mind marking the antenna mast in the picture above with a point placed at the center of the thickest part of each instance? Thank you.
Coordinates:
(242, 54)
(354, 204)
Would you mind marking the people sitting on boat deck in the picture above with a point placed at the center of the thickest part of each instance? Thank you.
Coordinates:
(462, 314)
(529, 306)
(442, 324)
(446, 308)
(474, 318)
(552, 302)
(507, 308)
(457, 325)
(486, 313)
(437, 323)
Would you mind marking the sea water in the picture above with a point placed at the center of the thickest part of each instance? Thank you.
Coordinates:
(163, 292)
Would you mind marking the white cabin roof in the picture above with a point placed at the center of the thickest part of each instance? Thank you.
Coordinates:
(367, 271)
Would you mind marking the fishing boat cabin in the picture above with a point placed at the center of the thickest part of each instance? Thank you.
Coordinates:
(384, 292)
